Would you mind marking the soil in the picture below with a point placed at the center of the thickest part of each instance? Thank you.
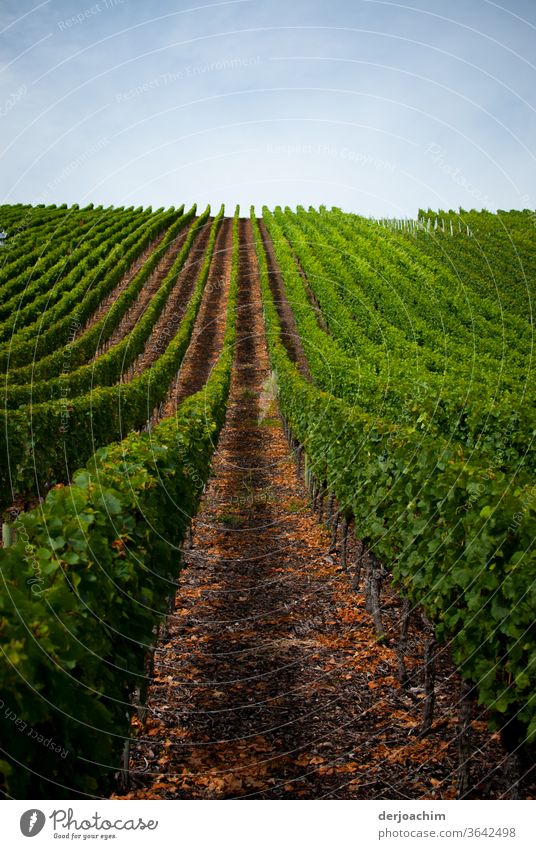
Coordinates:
(289, 332)
(209, 330)
(171, 316)
(123, 284)
(150, 288)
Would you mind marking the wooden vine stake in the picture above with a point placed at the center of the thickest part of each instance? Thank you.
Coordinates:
(375, 590)
(306, 472)
(321, 497)
(298, 459)
(403, 676)
(513, 773)
(358, 565)
(315, 492)
(512, 740)
(124, 773)
(310, 480)
(464, 740)
(329, 509)
(429, 679)
(334, 528)
(140, 695)
(344, 540)
(368, 586)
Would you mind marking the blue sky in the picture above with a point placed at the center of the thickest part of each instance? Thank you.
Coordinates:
(377, 107)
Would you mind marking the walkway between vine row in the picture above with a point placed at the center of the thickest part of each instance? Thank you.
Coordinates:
(269, 682)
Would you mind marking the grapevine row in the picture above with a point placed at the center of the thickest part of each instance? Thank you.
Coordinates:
(456, 537)
(87, 582)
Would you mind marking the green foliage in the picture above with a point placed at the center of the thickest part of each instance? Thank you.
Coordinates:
(43, 443)
(82, 589)
(106, 369)
(92, 279)
(393, 333)
(457, 533)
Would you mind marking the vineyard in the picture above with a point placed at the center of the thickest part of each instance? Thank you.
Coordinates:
(269, 506)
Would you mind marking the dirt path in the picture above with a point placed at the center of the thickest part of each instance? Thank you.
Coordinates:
(289, 331)
(149, 289)
(209, 330)
(269, 682)
(171, 316)
(123, 284)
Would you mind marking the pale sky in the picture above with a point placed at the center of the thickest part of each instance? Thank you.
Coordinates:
(377, 107)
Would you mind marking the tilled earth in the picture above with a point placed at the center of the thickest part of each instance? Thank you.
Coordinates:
(209, 329)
